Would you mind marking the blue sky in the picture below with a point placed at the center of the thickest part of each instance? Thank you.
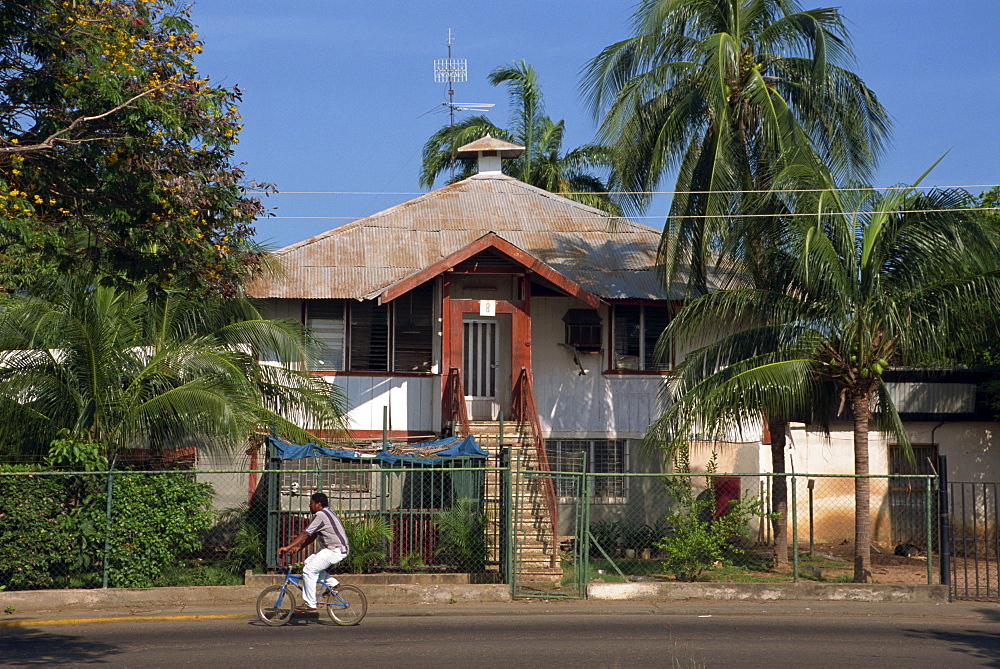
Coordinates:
(340, 96)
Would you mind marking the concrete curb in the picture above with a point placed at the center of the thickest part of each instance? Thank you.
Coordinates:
(158, 599)
(838, 592)
(147, 599)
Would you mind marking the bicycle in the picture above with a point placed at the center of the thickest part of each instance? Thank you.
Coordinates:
(344, 604)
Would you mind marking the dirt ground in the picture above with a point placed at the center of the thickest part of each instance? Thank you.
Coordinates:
(886, 567)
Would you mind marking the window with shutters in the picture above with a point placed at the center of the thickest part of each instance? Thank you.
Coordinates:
(413, 330)
(326, 320)
(635, 331)
(364, 336)
(369, 333)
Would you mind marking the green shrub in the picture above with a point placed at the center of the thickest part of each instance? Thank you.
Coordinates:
(245, 528)
(366, 538)
(412, 562)
(695, 541)
(156, 519)
(36, 543)
(461, 540)
(606, 533)
(53, 528)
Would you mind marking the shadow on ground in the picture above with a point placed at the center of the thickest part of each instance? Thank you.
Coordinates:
(32, 647)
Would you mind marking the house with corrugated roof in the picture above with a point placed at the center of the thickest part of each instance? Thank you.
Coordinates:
(481, 299)
(492, 299)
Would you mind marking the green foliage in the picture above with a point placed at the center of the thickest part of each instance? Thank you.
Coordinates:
(197, 572)
(53, 528)
(9, 610)
(872, 280)
(249, 541)
(607, 534)
(412, 562)
(725, 93)
(127, 369)
(461, 540)
(155, 519)
(37, 539)
(73, 455)
(115, 153)
(366, 538)
(695, 541)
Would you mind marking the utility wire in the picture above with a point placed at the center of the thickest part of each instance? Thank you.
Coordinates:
(651, 192)
(659, 218)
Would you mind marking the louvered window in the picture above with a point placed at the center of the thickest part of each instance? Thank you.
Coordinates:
(413, 330)
(326, 319)
(369, 337)
(636, 330)
(358, 333)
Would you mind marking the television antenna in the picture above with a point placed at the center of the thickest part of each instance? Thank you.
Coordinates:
(452, 71)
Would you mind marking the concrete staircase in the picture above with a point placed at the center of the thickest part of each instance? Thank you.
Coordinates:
(536, 557)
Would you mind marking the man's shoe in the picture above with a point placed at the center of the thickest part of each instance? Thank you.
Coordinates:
(305, 609)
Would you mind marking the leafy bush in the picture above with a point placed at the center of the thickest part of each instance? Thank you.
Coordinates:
(155, 519)
(606, 534)
(366, 539)
(412, 562)
(246, 530)
(696, 542)
(462, 535)
(35, 540)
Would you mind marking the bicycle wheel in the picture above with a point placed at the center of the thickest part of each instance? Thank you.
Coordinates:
(269, 611)
(351, 610)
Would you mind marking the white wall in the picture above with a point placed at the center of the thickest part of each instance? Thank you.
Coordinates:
(413, 401)
(593, 404)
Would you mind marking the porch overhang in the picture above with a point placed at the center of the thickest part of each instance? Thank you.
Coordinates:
(491, 241)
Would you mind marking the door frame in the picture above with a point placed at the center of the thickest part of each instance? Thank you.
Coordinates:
(452, 317)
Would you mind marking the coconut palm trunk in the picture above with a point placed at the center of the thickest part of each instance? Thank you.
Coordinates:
(861, 410)
(777, 426)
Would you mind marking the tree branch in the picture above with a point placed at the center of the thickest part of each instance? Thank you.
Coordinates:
(56, 137)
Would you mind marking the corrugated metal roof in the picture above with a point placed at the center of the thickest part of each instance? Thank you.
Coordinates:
(612, 258)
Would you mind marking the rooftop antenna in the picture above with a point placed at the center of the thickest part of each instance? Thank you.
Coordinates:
(451, 71)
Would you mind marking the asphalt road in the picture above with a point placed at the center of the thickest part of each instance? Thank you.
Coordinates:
(685, 635)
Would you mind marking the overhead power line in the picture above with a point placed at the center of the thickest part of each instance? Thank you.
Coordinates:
(667, 216)
(651, 192)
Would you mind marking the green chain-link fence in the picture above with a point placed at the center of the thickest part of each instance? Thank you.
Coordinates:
(135, 528)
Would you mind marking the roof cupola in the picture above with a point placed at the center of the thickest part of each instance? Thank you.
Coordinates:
(489, 151)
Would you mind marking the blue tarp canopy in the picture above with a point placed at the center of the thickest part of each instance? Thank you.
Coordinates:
(287, 451)
(451, 448)
(454, 447)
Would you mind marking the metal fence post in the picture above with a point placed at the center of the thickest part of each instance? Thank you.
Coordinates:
(107, 529)
(583, 546)
(930, 538)
(511, 513)
(944, 540)
(795, 531)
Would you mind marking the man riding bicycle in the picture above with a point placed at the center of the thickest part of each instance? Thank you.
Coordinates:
(333, 541)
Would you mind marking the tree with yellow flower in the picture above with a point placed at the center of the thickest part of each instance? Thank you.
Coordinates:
(115, 153)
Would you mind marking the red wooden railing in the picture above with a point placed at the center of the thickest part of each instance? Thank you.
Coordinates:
(526, 411)
(453, 407)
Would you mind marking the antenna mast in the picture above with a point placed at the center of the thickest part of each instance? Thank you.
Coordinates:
(451, 70)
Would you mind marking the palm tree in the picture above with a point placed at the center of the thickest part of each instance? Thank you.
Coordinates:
(730, 93)
(894, 279)
(727, 92)
(126, 369)
(542, 164)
